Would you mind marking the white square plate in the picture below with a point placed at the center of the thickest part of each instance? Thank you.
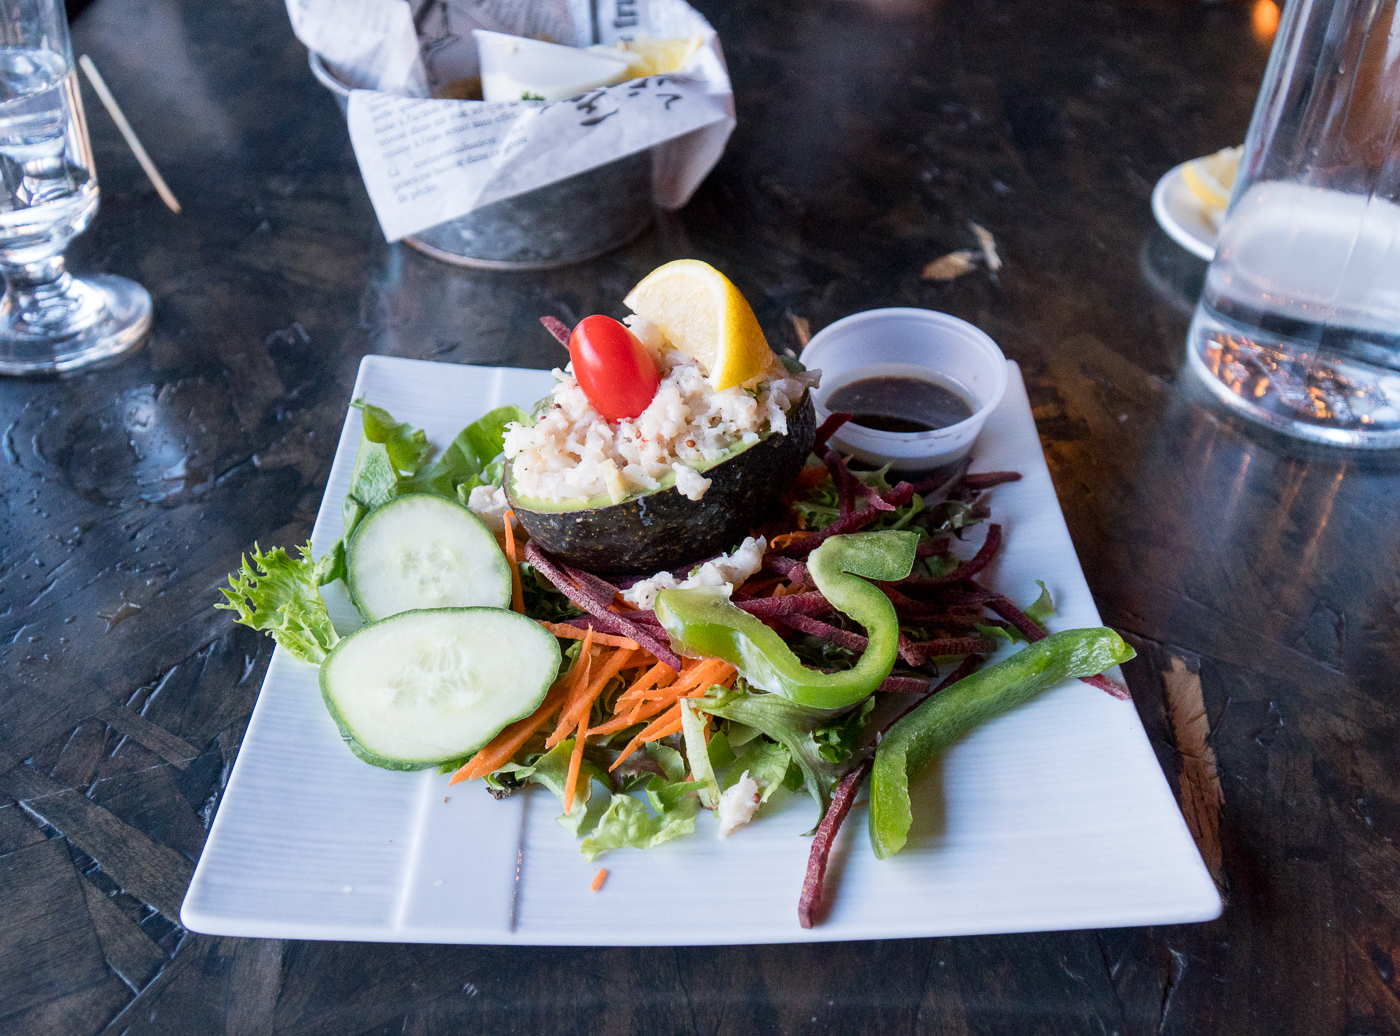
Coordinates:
(1056, 816)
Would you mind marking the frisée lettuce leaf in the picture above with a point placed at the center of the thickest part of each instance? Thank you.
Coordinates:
(278, 594)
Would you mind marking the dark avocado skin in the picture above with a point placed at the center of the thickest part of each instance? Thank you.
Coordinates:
(659, 531)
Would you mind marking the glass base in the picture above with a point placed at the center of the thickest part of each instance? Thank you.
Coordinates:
(1291, 385)
(98, 318)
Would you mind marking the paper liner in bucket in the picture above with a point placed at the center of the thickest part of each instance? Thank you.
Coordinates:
(518, 184)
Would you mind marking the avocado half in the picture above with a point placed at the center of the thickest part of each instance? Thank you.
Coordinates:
(661, 529)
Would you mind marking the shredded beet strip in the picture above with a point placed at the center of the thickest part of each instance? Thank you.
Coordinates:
(841, 477)
(907, 651)
(903, 685)
(931, 548)
(609, 622)
(940, 484)
(907, 607)
(849, 487)
(955, 646)
(841, 800)
(979, 561)
(988, 479)
(596, 585)
(967, 667)
(876, 500)
(845, 794)
(557, 328)
(812, 603)
(1113, 687)
(932, 615)
(896, 497)
(1032, 632)
(1029, 628)
(951, 621)
(825, 631)
(828, 429)
(952, 596)
(790, 568)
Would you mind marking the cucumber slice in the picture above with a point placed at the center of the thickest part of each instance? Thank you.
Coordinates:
(427, 687)
(421, 551)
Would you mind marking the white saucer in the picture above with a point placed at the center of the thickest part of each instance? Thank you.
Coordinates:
(1184, 216)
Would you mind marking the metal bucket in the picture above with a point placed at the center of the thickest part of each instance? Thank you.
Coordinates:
(561, 223)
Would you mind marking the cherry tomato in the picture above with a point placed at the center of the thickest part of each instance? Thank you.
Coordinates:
(614, 369)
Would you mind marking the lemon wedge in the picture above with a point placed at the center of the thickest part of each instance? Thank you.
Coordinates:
(1212, 178)
(703, 315)
(650, 56)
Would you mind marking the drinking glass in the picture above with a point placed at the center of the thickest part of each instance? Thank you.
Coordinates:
(1299, 323)
(50, 321)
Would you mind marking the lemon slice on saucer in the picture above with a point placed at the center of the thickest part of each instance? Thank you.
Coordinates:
(703, 315)
(1212, 178)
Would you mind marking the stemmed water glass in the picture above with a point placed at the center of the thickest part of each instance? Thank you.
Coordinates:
(50, 321)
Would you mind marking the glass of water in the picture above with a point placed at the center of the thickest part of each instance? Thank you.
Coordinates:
(1299, 323)
(50, 321)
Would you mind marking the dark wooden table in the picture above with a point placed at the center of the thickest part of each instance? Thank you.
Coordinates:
(1258, 580)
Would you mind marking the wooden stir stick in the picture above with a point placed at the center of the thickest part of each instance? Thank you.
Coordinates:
(113, 109)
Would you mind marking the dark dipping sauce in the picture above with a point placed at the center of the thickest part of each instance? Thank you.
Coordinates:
(900, 404)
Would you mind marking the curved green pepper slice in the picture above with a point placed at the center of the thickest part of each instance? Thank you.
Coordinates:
(704, 622)
(927, 731)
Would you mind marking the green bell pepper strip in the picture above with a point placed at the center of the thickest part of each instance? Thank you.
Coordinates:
(703, 622)
(912, 743)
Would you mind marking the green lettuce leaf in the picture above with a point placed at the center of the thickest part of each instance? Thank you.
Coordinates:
(551, 771)
(393, 459)
(468, 460)
(1042, 608)
(693, 730)
(836, 740)
(766, 762)
(278, 594)
(543, 599)
(407, 447)
(629, 824)
(789, 724)
(671, 761)
(666, 797)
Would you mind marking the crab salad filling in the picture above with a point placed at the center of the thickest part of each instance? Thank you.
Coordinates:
(572, 453)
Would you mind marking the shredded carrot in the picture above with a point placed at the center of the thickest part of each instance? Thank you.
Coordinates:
(563, 629)
(575, 764)
(580, 703)
(659, 675)
(578, 682)
(789, 537)
(517, 591)
(665, 725)
(704, 673)
(645, 710)
(497, 752)
(598, 879)
(755, 587)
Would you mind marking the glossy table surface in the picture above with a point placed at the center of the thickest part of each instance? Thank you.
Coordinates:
(1260, 581)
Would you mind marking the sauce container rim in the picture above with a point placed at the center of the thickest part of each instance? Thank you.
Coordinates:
(945, 331)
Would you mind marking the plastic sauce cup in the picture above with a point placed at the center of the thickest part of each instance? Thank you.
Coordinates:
(515, 68)
(912, 343)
